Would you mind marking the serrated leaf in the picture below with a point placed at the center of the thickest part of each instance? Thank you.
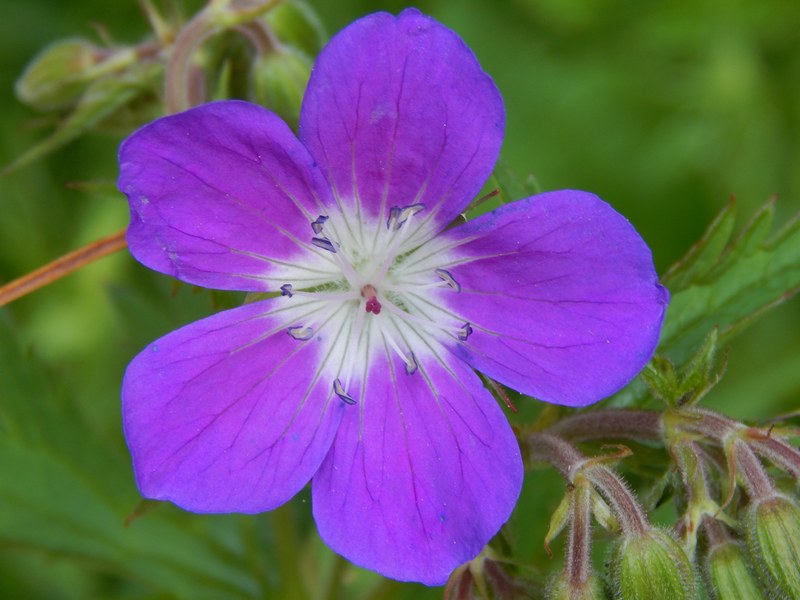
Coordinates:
(724, 285)
(752, 236)
(702, 257)
(743, 289)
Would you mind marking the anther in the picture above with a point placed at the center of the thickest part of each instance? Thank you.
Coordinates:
(411, 364)
(286, 290)
(338, 389)
(324, 243)
(300, 332)
(465, 332)
(399, 215)
(319, 224)
(448, 278)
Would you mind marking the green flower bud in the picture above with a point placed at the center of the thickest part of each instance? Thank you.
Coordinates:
(295, 22)
(56, 77)
(61, 73)
(279, 82)
(727, 574)
(561, 588)
(651, 566)
(773, 539)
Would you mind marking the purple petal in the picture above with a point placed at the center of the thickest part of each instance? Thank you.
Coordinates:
(425, 477)
(227, 415)
(218, 194)
(399, 112)
(561, 294)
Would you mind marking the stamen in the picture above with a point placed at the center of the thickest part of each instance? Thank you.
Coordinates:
(408, 358)
(399, 215)
(300, 332)
(338, 389)
(409, 211)
(411, 364)
(286, 290)
(394, 214)
(319, 224)
(465, 332)
(448, 278)
(324, 243)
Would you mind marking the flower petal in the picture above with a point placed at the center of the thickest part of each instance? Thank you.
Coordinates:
(227, 414)
(425, 477)
(562, 296)
(399, 112)
(222, 196)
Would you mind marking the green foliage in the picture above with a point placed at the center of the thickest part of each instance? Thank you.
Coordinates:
(727, 281)
(724, 283)
(706, 105)
(67, 492)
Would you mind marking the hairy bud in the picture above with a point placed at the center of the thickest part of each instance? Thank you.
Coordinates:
(773, 539)
(652, 565)
(59, 74)
(561, 588)
(727, 574)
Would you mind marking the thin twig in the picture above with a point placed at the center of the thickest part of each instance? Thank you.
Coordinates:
(62, 266)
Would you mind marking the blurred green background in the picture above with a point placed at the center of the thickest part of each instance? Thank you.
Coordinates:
(664, 109)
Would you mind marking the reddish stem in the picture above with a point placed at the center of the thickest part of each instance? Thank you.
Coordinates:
(62, 266)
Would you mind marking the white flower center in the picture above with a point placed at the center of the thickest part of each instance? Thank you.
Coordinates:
(377, 289)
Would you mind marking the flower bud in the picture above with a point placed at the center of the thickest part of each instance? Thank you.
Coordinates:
(280, 80)
(294, 22)
(727, 574)
(57, 76)
(561, 588)
(773, 539)
(652, 565)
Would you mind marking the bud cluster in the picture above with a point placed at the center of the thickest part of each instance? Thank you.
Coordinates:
(734, 487)
(260, 51)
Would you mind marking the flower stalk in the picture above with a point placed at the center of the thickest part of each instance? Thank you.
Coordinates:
(61, 267)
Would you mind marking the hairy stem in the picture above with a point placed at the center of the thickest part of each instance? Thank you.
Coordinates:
(610, 423)
(568, 460)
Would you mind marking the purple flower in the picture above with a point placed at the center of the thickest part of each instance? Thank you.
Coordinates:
(358, 374)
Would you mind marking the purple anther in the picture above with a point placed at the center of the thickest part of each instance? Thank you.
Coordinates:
(338, 388)
(286, 290)
(465, 332)
(319, 224)
(394, 215)
(448, 278)
(300, 332)
(411, 364)
(324, 243)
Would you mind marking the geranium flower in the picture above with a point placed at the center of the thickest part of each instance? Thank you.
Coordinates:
(358, 374)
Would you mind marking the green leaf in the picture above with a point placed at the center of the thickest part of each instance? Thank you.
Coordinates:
(702, 257)
(724, 282)
(752, 275)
